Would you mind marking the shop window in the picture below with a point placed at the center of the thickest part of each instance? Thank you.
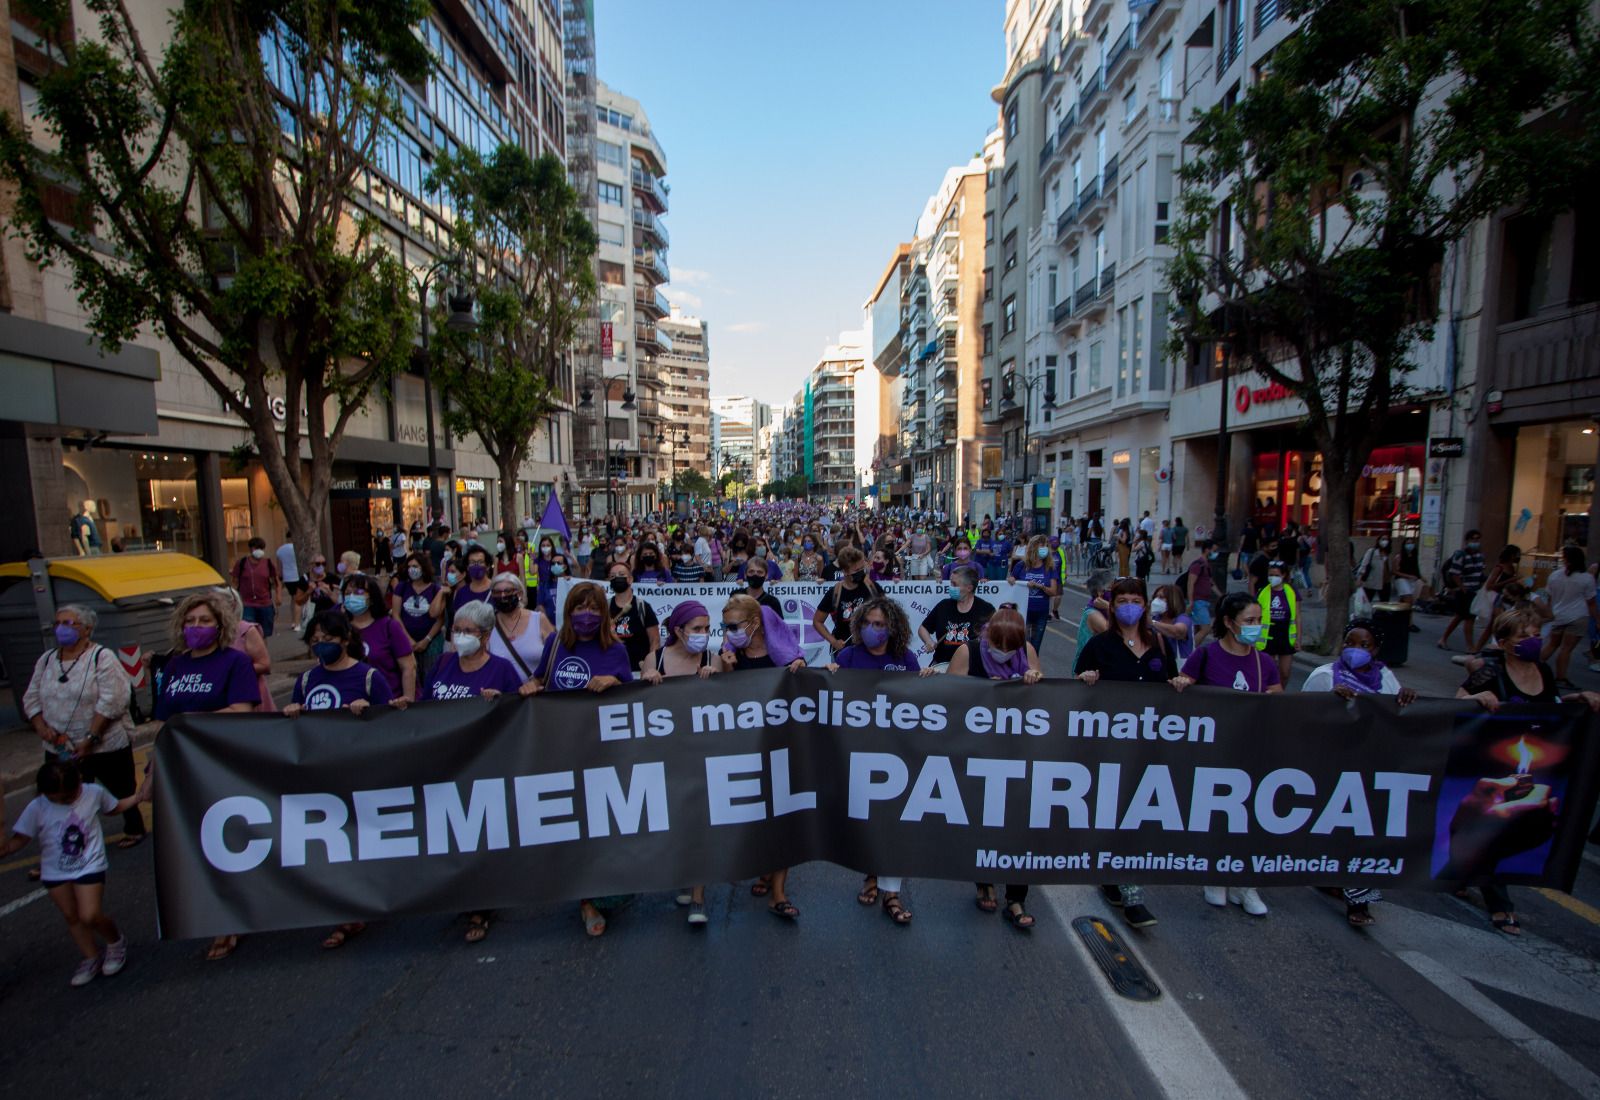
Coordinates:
(1525, 266)
(1552, 487)
(143, 500)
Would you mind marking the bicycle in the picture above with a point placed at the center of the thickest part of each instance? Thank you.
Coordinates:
(1103, 559)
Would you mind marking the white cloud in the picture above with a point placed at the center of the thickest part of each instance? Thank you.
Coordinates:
(690, 276)
(688, 299)
(746, 326)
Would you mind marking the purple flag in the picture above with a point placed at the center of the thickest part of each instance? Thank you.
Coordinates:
(554, 520)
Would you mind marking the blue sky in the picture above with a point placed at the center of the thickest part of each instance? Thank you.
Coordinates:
(802, 141)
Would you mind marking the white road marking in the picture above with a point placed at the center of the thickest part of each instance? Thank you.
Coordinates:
(1530, 1042)
(26, 899)
(1177, 1055)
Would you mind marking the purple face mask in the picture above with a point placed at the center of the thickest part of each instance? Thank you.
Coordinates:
(586, 623)
(477, 570)
(1129, 613)
(873, 636)
(1528, 649)
(199, 637)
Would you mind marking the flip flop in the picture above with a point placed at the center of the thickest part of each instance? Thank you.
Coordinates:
(343, 935)
(869, 894)
(988, 903)
(761, 887)
(477, 927)
(784, 909)
(131, 841)
(221, 948)
(594, 926)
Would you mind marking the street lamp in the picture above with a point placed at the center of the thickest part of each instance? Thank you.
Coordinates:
(586, 401)
(460, 320)
(1009, 401)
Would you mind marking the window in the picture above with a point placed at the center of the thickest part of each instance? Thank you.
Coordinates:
(1141, 205)
(1100, 155)
(1011, 123)
(1126, 245)
(1009, 316)
(988, 227)
(1099, 252)
(1163, 197)
(1010, 187)
(1122, 351)
(988, 391)
(1072, 375)
(1009, 247)
(1074, 272)
(1130, 105)
(1164, 76)
(1077, 177)
(1055, 199)
(1053, 291)
(1050, 394)
(988, 284)
(988, 339)
(611, 193)
(1136, 319)
(610, 152)
(611, 233)
(1094, 368)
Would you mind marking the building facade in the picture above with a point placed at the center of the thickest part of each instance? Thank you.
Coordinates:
(739, 420)
(620, 462)
(829, 425)
(686, 394)
(162, 461)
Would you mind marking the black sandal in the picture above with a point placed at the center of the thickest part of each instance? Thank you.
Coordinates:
(869, 894)
(987, 902)
(1507, 925)
(784, 909)
(897, 911)
(1358, 914)
(761, 887)
(477, 927)
(1019, 917)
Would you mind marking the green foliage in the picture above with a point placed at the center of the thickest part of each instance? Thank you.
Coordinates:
(214, 200)
(532, 274)
(793, 487)
(694, 483)
(1379, 135)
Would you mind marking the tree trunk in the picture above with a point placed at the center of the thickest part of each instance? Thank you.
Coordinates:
(307, 517)
(509, 466)
(1338, 507)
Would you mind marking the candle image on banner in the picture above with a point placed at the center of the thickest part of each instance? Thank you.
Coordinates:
(1500, 798)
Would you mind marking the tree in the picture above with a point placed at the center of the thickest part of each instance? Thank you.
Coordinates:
(793, 487)
(1318, 210)
(213, 198)
(533, 280)
(694, 483)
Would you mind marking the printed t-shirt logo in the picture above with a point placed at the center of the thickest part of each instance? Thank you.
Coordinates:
(624, 626)
(1239, 682)
(572, 673)
(443, 690)
(73, 842)
(324, 697)
(415, 606)
(958, 632)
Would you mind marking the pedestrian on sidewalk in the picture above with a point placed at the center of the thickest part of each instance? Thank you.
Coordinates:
(1373, 572)
(1406, 570)
(1036, 570)
(1200, 586)
(1359, 672)
(293, 583)
(1180, 543)
(1233, 661)
(77, 702)
(1123, 540)
(65, 816)
(1463, 579)
(1572, 606)
(255, 576)
(1165, 542)
(1280, 610)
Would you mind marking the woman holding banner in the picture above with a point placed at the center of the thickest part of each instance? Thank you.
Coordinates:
(755, 584)
(477, 581)
(1232, 660)
(584, 656)
(205, 676)
(633, 620)
(845, 598)
(1001, 652)
(417, 600)
(756, 637)
(1130, 652)
(520, 633)
(1036, 570)
(881, 641)
(956, 619)
(687, 653)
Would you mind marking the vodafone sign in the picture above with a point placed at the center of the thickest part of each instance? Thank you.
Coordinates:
(1244, 396)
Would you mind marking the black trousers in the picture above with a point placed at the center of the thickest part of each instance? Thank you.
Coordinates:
(1014, 893)
(114, 771)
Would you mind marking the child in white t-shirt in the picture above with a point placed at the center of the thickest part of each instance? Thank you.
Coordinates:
(66, 819)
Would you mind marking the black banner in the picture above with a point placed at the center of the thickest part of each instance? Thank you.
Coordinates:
(267, 822)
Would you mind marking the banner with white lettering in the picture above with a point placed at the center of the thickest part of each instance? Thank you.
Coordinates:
(800, 601)
(267, 822)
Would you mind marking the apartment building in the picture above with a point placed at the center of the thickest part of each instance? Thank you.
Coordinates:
(829, 409)
(888, 333)
(785, 458)
(141, 434)
(740, 420)
(620, 461)
(686, 394)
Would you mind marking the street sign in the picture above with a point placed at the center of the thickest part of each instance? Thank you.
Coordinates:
(1449, 446)
(1432, 513)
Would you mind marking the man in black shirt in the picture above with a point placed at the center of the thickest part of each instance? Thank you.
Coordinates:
(957, 620)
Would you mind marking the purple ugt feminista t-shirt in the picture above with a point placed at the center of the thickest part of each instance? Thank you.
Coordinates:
(563, 669)
(451, 681)
(858, 656)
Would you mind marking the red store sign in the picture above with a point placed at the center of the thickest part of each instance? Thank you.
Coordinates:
(1244, 396)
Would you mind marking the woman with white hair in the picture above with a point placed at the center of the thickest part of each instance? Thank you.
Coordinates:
(469, 670)
(77, 702)
(519, 632)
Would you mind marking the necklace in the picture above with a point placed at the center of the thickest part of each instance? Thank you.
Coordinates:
(65, 668)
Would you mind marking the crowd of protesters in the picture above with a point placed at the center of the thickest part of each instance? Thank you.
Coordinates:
(447, 615)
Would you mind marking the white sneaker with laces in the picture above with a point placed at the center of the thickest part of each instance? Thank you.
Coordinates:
(1218, 896)
(115, 957)
(1247, 898)
(87, 971)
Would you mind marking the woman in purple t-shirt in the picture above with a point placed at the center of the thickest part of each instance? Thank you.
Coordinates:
(880, 638)
(339, 680)
(584, 655)
(418, 601)
(389, 648)
(203, 676)
(1231, 660)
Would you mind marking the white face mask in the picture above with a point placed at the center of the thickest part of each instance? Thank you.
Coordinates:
(1158, 607)
(466, 644)
(1276, 582)
(1002, 655)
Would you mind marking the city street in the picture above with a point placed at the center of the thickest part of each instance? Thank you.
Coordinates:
(1426, 1003)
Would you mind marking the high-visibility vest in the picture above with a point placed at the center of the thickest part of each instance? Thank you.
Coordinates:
(1265, 600)
(530, 569)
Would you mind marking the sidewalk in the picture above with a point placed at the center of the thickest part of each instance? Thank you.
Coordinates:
(21, 752)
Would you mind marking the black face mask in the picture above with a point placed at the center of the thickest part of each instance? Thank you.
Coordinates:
(619, 584)
(754, 580)
(505, 604)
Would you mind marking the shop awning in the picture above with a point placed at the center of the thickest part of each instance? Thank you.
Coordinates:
(122, 576)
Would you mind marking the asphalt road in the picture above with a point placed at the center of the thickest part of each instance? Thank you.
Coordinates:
(1426, 1003)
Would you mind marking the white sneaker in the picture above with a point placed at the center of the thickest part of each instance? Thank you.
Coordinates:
(88, 970)
(1216, 895)
(1248, 899)
(115, 957)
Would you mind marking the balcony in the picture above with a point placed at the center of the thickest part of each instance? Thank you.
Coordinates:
(646, 335)
(649, 186)
(651, 227)
(651, 301)
(1064, 127)
(1229, 52)
(1047, 152)
(1108, 175)
(1094, 295)
(1091, 191)
(1062, 310)
(652, 264)
(1065, 222)
(1266, 14)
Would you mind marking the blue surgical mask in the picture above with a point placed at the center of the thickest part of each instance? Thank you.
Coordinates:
(356, 605)
(557, 569)
(953, 592)
(1250, 634)
(1355, 657)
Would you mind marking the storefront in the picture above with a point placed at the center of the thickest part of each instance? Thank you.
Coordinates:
(1286, 488)
(1552, 487)
(472, 501)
